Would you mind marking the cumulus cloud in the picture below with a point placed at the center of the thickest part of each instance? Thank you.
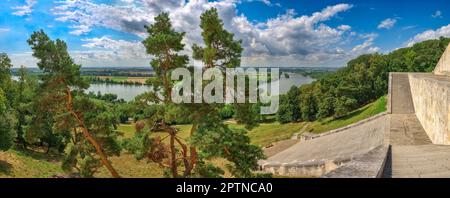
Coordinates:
(367, 45)
(437, 14)
(288, 38)
(25, 9)
(86, 14)
(107, 50)
(387, 23)
(443, 31)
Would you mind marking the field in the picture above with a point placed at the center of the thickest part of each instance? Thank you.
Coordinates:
(125, 79)
(20, 163)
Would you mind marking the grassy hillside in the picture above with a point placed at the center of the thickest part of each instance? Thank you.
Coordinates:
(20, 163)
(362, 113)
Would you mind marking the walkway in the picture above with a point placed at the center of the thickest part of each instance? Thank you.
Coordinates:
(412, 152)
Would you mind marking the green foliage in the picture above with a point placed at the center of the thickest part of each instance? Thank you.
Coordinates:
(214, 35)
(101, 122)
(7, 123)
(139, 145)
(213, 138)
(5, 73)
(7, 117)
(210, 138)
(289, 109)
(82, 155)
(156, 106)
(63, 113)
(164, 43)
(61, 69)
(216, 139)
(357, 115)
(227, 112)
(207, 170)
(26, 90)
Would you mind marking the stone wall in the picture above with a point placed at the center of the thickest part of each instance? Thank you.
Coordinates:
(443, 66)
(431, 98)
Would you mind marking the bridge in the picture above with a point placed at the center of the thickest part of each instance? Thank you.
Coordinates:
(412, 139)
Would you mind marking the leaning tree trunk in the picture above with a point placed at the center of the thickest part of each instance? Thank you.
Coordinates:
(90, 138)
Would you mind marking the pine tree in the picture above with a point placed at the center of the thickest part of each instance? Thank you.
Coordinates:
(164, 44)
(209, 137)
(214, 138)
(61, 93)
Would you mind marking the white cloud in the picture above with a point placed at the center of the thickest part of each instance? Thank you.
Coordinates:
(107, 50)
(290, 39)
(267, 2)
(80, 29)
(367, 45)
(3, 30)
(344, 27)
(126, 48)
(22, 59)
(443, 31)
(26, 9)
(387, 23)
(437, 14)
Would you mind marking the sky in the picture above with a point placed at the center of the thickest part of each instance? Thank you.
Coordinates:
(274, 33)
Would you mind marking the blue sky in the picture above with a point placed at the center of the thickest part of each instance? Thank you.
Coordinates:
(274, 32)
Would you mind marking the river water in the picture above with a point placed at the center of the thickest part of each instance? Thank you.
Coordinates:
(128, 92)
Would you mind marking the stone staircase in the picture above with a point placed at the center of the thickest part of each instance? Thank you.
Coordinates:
(412, 153)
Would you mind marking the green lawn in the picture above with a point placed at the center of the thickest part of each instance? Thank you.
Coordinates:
(362, 113)
(267, 133)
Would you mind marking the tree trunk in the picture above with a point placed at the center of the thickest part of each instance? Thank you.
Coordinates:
(186, 161)
(89, 137)
(173, 160)
(193, 150)
(48, 148)
(100, 152)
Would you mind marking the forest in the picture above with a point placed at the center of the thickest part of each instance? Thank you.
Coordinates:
(53, 110)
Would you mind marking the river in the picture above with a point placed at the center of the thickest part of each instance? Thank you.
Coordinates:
(128, 92)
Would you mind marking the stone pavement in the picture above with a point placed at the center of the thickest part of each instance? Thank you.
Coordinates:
(420, 161)
(412, 153)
